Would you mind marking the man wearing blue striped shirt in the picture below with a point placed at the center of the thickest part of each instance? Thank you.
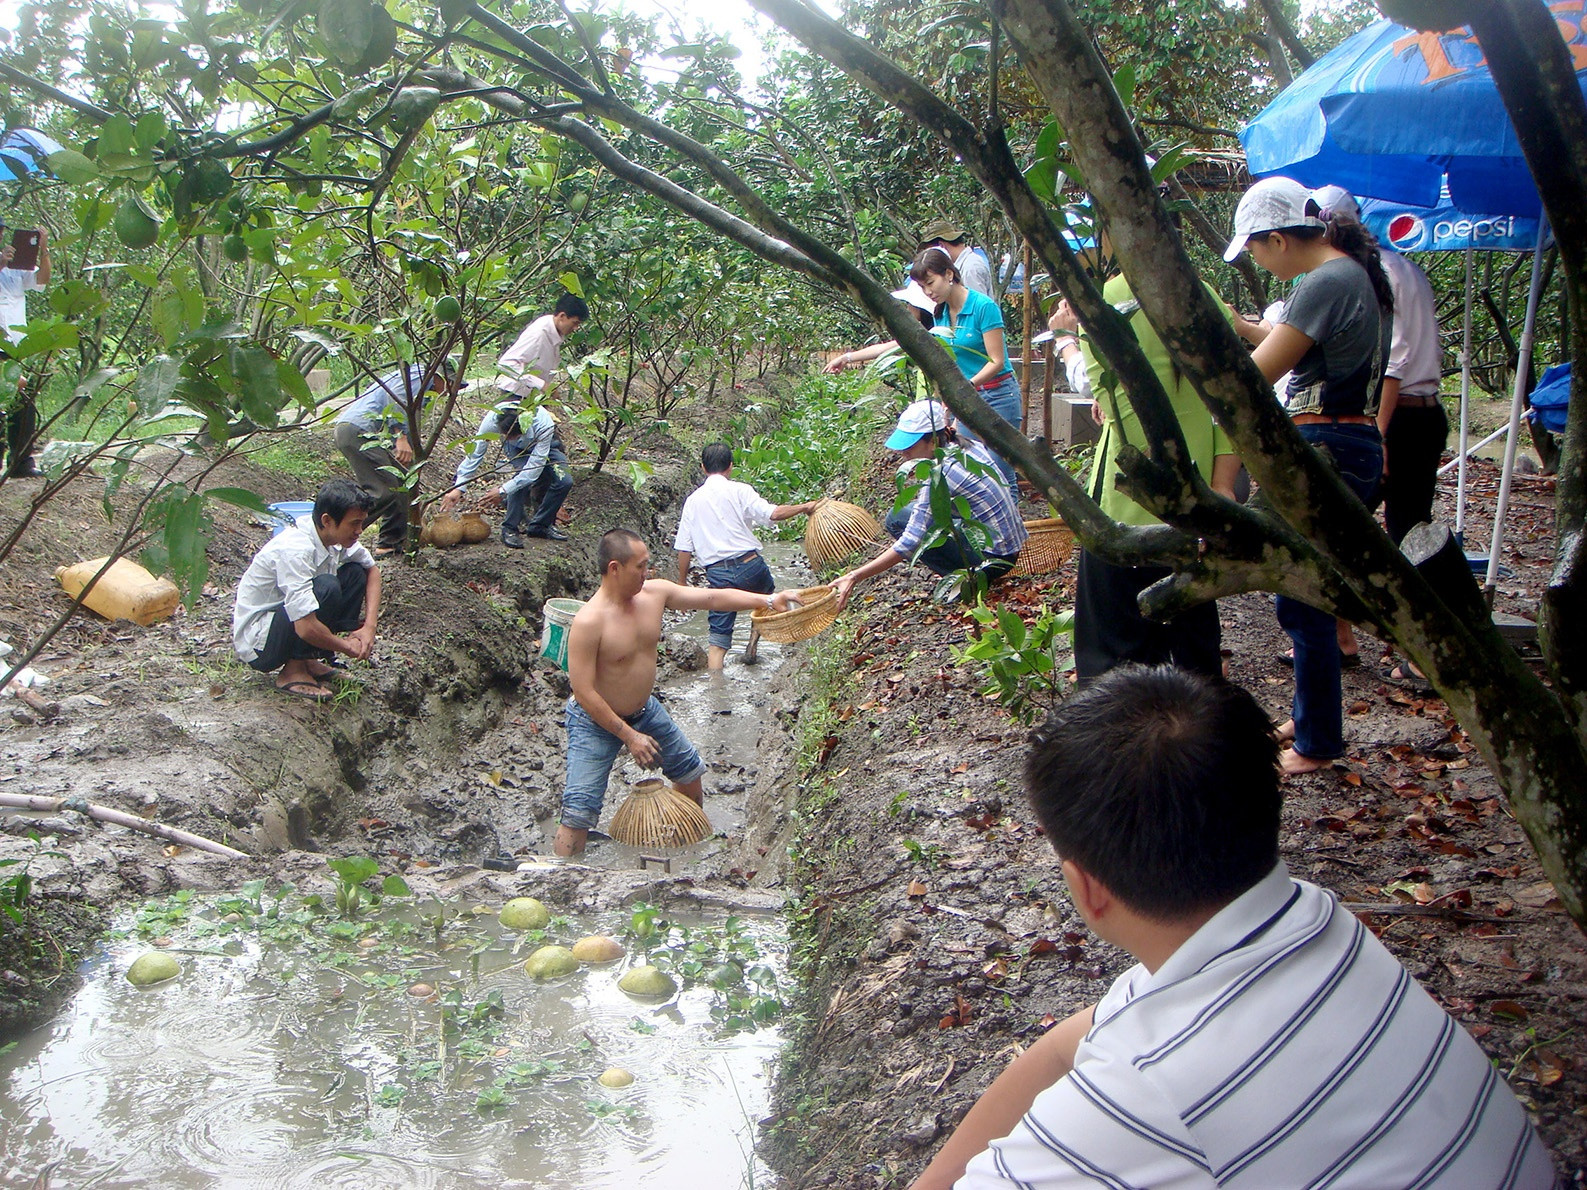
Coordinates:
(1265, 1038)
(923, 429)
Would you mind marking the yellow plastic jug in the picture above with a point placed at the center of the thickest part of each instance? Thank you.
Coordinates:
(125, 592)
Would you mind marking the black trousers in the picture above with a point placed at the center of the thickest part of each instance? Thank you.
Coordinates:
(373, 465)
(341, 600)
(1110, 630)
(1414, 445)
(21, 428)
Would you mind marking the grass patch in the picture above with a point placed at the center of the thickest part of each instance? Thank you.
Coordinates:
(289, 454)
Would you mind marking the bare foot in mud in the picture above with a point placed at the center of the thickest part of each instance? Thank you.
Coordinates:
(1294, 763)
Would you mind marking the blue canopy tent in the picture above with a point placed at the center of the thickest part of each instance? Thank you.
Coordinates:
(1401, 115)
(23, 151)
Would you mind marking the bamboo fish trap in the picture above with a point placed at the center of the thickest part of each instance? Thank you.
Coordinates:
(1047, 547)
(836, 531)
(656, 815)
(818, 607)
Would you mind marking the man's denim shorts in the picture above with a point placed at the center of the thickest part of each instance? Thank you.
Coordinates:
(592, 750)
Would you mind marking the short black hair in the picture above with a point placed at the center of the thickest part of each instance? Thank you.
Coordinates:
(338, 498)
(1163, 785)
(716, 458)
(617, 545)
(573, 304)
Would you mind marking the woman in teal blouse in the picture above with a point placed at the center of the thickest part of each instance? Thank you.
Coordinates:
(971, 324)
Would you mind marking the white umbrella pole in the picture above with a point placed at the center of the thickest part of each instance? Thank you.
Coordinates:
(1528, 332)
(1465, 401)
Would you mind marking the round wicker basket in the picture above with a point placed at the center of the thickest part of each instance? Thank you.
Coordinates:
(836, 531)
(1047, 548)
(656, 815)
(818, 607)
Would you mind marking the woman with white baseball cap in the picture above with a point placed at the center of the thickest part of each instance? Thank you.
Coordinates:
(1334, 336)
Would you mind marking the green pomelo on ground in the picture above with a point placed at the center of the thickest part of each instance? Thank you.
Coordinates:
(133, 226)
(597, 948)
(524, 913)
(550, 961)
(648, 981)
(615, 1077)
(154, 967)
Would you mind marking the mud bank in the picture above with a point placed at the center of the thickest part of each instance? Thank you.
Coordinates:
(934, 939)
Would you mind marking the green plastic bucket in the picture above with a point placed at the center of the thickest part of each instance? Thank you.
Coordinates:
(557, 616)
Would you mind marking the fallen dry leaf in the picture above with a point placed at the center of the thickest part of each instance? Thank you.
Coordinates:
(917, 889)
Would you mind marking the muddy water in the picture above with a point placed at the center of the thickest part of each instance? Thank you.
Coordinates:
(272, 1066)
(303, 1061)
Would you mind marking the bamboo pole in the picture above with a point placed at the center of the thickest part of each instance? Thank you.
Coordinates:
(1029, 296)
(54, 805)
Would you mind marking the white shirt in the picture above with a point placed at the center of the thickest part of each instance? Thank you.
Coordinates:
(542, 429)
(717, 518)
(527, 365)
(974, 270)
(1280, 1046)
(14, 283)
(282, 574)
(1416, 358)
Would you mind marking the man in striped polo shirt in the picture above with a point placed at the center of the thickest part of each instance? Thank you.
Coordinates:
(1265, 1038)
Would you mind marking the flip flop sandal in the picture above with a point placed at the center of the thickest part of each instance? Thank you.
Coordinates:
(1346, 660)
(302, 689)
(1400, 675)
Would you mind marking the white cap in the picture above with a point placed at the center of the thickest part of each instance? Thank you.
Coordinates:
(915, 296)
(920, 419)
(1338, 200)
(1271, 204)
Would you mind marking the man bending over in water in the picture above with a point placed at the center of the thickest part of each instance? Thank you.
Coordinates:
(612, 662)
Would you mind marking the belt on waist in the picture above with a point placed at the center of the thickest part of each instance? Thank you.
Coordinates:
(1315, 419)
(989, 385)
(749, 557)
(1420, 401)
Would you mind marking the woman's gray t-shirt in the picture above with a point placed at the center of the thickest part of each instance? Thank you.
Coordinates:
(1341, 374)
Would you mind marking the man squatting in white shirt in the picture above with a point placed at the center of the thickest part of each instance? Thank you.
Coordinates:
(716, 529)
(1265, 1037)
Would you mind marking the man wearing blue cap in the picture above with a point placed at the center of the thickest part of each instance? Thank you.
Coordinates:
(923, 429)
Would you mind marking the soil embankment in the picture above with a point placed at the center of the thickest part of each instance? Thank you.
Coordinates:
(935, 939)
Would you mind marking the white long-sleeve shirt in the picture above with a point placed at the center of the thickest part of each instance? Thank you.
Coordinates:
(540, 431)
(527, 365)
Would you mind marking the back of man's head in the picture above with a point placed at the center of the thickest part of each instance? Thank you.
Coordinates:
(617, 545)
(716, 458)
(572, 305)
(1163, 786)
(338, 498)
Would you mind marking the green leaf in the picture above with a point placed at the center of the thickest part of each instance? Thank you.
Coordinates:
(1124, 83)
(571, 283)
(241, 497)
(395, 886)
(186, 535)
(72, 167)
(258, 383)
(157, 380)
(347, 27)
(354, 869)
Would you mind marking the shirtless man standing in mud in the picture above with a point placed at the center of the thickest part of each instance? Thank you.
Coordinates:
(612, 663)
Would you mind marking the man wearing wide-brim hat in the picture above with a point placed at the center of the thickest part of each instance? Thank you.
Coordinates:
(973, 268)
(923, 429)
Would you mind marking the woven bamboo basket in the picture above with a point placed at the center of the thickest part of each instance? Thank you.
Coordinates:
(1046, 549)
(818, 607)
(836, 531)
(656, 815)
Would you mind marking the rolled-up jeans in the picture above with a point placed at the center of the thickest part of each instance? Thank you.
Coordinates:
(592, 750)
(1356, 452)
(746, 572)
(1005, 401)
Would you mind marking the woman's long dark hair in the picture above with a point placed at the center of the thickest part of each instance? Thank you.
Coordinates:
(1349, 235)
(936, 263)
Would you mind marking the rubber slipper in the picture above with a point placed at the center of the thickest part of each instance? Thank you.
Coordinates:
(303, 688)
(1346, 660)
(1401, 676)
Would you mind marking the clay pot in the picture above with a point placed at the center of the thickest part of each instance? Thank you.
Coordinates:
(446, 531)
(475, 528)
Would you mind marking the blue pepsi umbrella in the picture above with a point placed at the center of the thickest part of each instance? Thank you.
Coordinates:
(23, 151)
(1395, 114)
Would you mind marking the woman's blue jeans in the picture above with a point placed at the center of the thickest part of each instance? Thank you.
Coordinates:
(1007, 403)
(1357, 454)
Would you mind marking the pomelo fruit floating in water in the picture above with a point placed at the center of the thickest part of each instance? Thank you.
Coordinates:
(550, 961)
(648, 981)
(615, 1077)
(153, 967)
(597, 948)
(524, 913)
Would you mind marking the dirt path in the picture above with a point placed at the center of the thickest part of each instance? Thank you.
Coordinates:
(936, 939)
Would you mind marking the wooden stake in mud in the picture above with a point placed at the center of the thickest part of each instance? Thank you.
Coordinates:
(1024, 395)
